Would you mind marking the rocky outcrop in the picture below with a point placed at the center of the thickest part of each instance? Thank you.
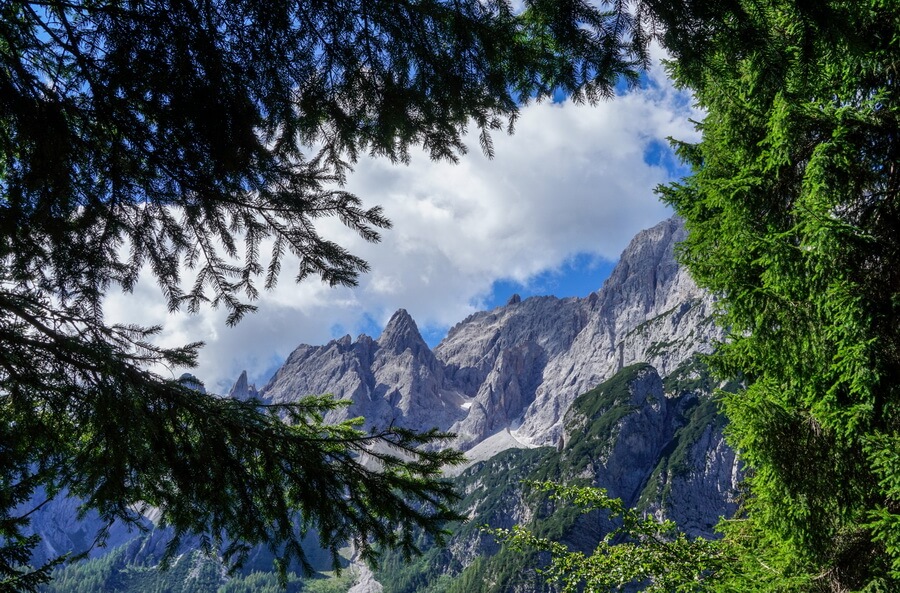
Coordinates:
(657, 446)
(649, 310)
(697, 495)
(242, 389)
(484, 355)
(617, 431)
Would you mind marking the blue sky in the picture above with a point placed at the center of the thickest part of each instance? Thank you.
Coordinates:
(578, 276)
(549, 214)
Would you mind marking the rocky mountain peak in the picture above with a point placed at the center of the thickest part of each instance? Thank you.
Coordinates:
(401, 333)
(647, 280)
(242, 389)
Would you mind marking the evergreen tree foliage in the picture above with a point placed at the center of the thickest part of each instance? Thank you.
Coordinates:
(794, 221)
(640, 552)
(166, 135)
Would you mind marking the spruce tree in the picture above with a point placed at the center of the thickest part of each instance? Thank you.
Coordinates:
(793, 219)
(793, 216)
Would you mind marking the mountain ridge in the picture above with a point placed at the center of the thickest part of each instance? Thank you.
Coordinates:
(516, 367)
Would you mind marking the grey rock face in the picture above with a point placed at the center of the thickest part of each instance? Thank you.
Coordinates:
(635, 440)
(517, 367)
(473, 346)
(242, 389)
(649, 310)
(707, 489)
(393, 380)
(663, 452)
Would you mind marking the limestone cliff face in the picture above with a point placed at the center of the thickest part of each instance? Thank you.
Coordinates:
(705, 489)
(656, 445)
(649, 310)
(516, 368)
(619, 435)
(499, 358)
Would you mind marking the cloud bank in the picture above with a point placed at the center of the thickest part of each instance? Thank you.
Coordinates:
(573, 179)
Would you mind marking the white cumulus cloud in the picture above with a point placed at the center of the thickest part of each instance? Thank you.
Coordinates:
(573, 179)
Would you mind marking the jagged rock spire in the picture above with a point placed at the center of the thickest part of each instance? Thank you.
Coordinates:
(242, 389)
(402, 333)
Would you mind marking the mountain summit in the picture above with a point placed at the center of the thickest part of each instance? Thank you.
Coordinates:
(401, 333)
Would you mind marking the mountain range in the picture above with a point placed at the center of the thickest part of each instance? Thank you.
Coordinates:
(515, 369)
(609, 390)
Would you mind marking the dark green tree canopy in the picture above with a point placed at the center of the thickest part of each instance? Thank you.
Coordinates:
(150, 135)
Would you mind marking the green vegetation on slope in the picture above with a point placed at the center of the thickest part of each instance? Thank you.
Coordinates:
(496, 493)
